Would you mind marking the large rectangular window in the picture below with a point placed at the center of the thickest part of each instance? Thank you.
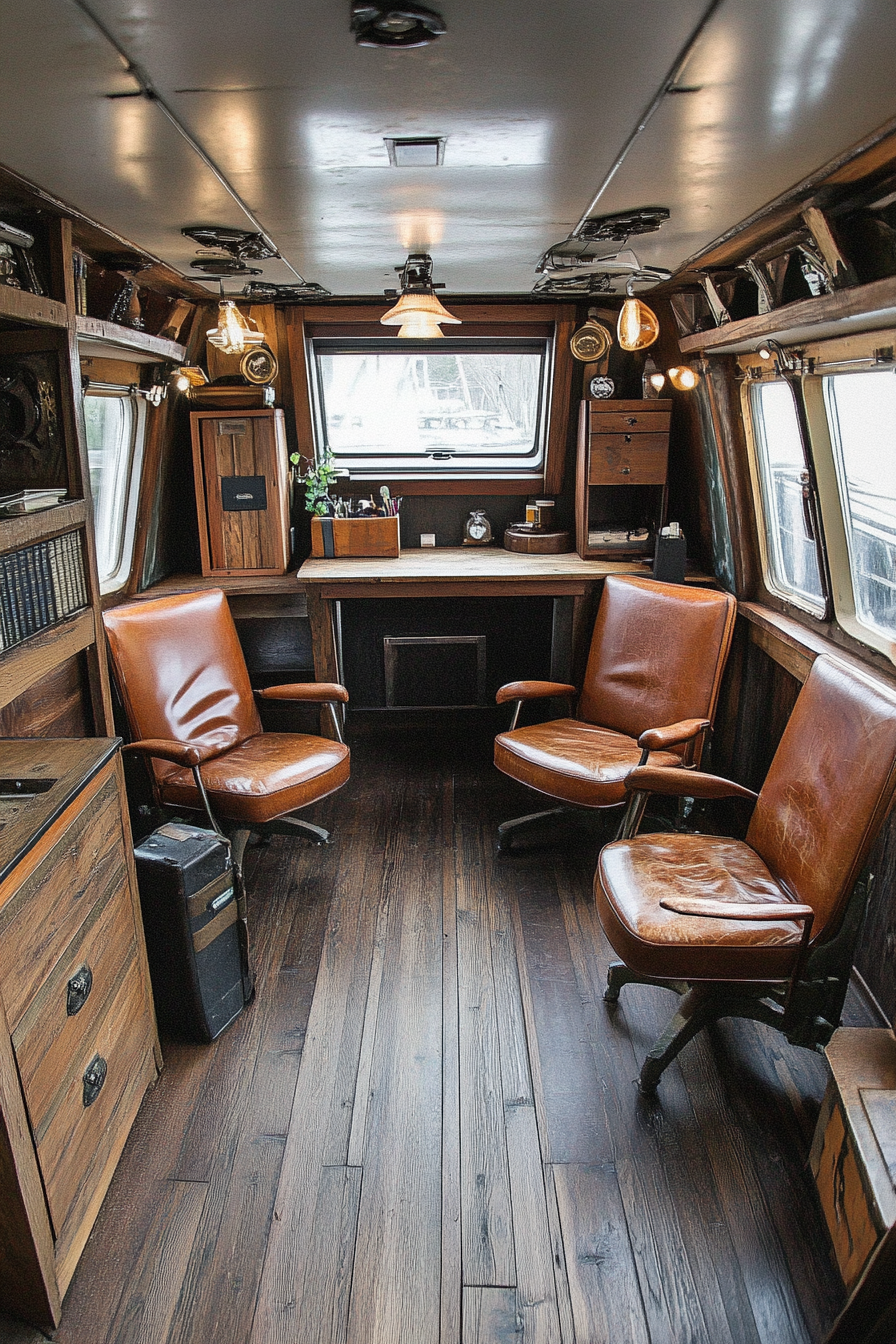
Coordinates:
(861, 411)
(790, 551)
(114, 422)
(454, 407)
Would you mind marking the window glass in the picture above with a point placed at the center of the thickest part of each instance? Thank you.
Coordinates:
(405, 405)
(114, 450)
(861, 410)
(790, 552)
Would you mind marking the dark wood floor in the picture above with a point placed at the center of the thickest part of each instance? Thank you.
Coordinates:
(427, 1130)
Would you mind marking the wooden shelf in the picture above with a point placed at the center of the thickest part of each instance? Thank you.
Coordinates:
(17, 305)
(111, 333)
(233, 585)
(863, 308)
(28, 662)
(26, 528)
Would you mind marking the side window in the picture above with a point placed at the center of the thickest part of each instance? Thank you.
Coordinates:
(115, 429)
(861, 413)
(790, 555)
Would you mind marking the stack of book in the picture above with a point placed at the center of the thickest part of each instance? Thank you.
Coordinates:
(40, 585)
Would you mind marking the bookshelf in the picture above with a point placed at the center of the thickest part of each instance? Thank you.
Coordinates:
(50, 615)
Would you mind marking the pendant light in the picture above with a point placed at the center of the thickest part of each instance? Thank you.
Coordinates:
(234, 335)
(638, 325)
(418, 311)
(683, 378)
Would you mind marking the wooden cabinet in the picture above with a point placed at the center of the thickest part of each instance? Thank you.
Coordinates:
(853, 1156)
(621, 476)
(241, 470)
(78, 1044)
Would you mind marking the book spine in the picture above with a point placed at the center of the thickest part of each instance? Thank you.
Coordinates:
(62, 607)
(41, 610)
(46, 582)
(79, 569)
(7, 615)
(24, 596)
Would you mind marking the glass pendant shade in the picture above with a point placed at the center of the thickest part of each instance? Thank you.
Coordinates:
(638, 325)
(683, 378)
(418, 315)
(657, 380)
(234, 334)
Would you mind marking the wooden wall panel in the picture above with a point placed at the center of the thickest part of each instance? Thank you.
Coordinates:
(57, 706)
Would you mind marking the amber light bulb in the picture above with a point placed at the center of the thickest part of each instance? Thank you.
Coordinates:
(683, 378)
(638, 325)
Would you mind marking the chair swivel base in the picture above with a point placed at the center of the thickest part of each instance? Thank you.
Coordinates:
(508, 829)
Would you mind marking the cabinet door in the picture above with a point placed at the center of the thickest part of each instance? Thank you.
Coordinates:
(245, 479)
(628, 459)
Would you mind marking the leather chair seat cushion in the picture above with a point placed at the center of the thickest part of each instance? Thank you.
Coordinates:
(577, 762)
(633, 875)
(264, 777)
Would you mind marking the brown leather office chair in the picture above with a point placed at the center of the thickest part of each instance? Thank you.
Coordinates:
(650, 691)
(763, 928)
(191, 708)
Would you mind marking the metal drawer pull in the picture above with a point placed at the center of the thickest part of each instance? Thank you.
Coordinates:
(94, 1077)
(626, 438)
(79, 988)
(631, 419)
(625, 471)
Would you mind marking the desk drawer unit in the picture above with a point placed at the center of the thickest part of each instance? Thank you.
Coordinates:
(621, 476)
(78, 1044)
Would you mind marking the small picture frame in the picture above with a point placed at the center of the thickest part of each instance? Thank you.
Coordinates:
(259, 365)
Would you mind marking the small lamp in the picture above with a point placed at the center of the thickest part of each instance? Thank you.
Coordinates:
(234, 334)
(638, 325)
(683, 378)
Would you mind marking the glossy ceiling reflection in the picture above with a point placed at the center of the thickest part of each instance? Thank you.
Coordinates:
(534, 102)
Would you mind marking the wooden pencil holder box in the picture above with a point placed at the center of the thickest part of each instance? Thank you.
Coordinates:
(334, 538)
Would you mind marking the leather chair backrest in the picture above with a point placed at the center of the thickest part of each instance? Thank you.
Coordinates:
(657, 654)
(181, 671)
(828, 788)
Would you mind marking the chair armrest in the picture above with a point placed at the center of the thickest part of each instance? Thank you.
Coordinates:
(678, 783)
(187, 754)
(533, 690)
(710, 909)
(320, 692)
(661, 739)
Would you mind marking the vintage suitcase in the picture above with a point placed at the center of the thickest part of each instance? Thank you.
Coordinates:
(195, 940)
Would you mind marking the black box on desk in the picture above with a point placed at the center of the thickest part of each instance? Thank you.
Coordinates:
(196, 962)
(669, 558)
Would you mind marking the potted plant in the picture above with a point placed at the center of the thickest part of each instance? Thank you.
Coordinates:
(317, 480)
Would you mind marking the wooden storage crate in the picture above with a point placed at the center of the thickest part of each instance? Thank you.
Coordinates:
(354, 536)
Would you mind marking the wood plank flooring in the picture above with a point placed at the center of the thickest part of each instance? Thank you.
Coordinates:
(427, 1130)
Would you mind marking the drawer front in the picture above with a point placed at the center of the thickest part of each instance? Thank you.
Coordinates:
(622, 459)
(68, 1008)
(847, 1208)
(39, 922)
(77, 1135)
(629, 422)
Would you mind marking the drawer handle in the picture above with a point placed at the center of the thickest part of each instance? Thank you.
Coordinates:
(626, 438)
(94, 1077)
(79, 988)
(631, 419)
(625, 471)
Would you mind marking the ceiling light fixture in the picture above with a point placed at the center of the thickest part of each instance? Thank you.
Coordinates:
(638, 325)
(234, 335)
(401, 25)
(418, 311)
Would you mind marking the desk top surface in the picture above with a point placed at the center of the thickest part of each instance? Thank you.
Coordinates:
(467, 563)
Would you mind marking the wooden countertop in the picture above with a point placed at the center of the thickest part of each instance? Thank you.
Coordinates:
(68, 762)
(464, 564)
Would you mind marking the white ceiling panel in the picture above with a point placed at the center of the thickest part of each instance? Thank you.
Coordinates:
(535, 102)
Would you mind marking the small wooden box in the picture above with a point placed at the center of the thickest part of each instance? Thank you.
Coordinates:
(241, 469)
(333, 538)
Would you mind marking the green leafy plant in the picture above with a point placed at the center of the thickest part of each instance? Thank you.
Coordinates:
(317, 480)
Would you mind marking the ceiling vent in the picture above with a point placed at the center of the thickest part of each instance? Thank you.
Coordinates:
(625, 224)
(400, 25)
(416, 152)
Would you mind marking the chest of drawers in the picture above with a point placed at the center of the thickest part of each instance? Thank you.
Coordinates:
(78, 1044)
(621, 476)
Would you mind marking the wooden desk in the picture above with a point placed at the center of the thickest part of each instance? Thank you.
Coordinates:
(462, 572)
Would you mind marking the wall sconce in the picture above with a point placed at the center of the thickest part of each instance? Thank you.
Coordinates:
(638, 325)
(683, 378)
(187, 376)
(234, 335)
(418, 311)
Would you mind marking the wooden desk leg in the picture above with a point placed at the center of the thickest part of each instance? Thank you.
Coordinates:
(321, 615)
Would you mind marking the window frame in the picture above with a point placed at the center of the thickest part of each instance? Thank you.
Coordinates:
(129, 481)
(820, 610)
(557, 321)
